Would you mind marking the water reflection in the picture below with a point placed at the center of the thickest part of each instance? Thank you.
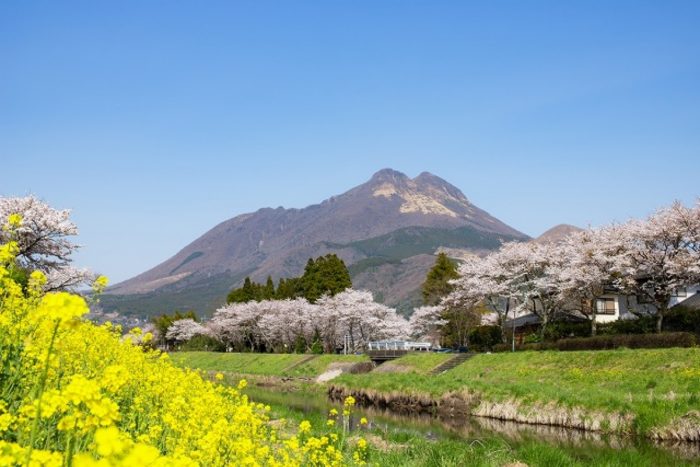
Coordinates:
(467, 428)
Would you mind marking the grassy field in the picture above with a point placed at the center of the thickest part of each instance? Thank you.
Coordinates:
(654, 385)
(646, 389)
(417, 362)
(294, 365)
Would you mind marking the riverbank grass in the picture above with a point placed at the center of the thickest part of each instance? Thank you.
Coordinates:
(416, 362)
(653, 386)
(283, 365)
(407, 443)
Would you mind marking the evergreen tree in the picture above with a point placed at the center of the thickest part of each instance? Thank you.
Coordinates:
(317, 345)
(252, 291)
(436, 285)
(289, 288)
(300, 344)
(269, 289)
(327, 275)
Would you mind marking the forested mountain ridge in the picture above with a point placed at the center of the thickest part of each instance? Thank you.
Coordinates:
(386, 230)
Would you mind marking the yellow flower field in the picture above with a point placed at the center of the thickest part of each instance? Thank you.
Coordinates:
(74, 393)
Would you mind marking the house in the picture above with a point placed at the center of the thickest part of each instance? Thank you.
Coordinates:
(614, 306)
(692, 302)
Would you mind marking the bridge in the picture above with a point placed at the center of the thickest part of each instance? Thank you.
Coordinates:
(381, 356)
(381, 351)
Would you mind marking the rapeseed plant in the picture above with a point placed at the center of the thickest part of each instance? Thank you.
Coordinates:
(75, 393)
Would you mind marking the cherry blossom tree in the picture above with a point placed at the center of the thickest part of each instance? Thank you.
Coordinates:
(281, 324)
(584, 268)
(43, 241)
(525, 269)
(485, 280)
(661, 255)
(237, 324)
(185, 329)
(425, 322)
(357, 315)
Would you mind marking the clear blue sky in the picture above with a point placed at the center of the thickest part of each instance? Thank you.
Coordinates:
(154, 121)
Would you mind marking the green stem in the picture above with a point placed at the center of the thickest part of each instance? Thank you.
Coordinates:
(40, 393)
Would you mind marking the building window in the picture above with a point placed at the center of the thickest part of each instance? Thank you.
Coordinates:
(680, 292)
(605, 306)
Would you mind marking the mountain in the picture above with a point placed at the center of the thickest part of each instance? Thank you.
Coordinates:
(386, 230)
(557, 233)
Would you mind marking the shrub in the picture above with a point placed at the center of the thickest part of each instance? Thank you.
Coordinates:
(526, 346)
(483, 338)
(641, 325)
(201, 342)
(682, 319)
(565, 329)
(632, 341)
(533, 338)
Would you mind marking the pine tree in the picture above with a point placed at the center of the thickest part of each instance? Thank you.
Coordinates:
(268, 292)
(327, 275)
(300, 344)
(317, 345)
(436, 284)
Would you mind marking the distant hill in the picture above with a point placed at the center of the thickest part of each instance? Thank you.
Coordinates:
(386, 230)
(557, 233)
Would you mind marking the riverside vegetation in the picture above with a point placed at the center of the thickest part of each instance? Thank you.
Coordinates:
(74, 393)
(647, 392)
(594, 382)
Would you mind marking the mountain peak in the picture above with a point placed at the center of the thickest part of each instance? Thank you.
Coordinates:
(389, 175)
(278, 242)
(425, 194)
(427, 181)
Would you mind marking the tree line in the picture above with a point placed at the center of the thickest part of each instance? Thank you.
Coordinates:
(326, 275)
(645, 261)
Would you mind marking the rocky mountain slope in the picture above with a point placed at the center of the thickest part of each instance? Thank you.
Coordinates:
(386, 230)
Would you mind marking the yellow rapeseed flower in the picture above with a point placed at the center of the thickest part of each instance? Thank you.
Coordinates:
(305, 426)
(14, 220)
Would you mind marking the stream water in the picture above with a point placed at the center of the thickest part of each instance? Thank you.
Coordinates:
(471, 429)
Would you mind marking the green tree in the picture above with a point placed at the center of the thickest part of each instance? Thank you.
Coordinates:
(289, 288)
(252, 291)
(300, 344)
(327, 275)
(460, 322)
(268, 292)
(436, 285)
(317, 345)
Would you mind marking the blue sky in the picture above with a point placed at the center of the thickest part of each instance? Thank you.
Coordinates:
(154, 121)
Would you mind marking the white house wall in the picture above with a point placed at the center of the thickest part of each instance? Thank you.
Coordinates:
(691, 290)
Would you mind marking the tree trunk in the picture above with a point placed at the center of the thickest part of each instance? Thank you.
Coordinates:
(660, 320)
(504, 319)
(545, 319)
(592, 310)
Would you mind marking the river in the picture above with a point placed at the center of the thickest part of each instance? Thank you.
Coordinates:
(474, 429)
